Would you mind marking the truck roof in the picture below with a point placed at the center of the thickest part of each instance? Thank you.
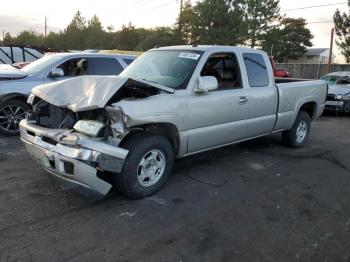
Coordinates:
(205, 48)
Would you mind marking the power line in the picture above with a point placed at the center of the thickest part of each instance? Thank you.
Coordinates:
(320, 22)
(314, 6)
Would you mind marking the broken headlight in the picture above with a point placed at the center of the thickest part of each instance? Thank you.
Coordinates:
(89, 127)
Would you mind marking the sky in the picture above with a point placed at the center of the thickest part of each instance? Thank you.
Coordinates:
(19, 15)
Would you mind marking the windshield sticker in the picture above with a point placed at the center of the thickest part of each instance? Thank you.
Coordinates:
(193, 56)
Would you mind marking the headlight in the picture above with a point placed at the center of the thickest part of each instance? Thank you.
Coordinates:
(89, 127)
(339, 97)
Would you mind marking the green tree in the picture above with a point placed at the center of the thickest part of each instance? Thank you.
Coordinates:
(75, 33)
(290, 40)
(29, 38)
(161, 36)
(96, 36)
(7, 39)
(216, 22)
(259, 16)
(342, 30)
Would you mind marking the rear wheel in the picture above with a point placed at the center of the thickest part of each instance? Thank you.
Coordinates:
(147, 166)
(11, 113)
(298, 135)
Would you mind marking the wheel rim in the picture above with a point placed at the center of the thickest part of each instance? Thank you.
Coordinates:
(151, 168)
(301, 131)
(10, 116)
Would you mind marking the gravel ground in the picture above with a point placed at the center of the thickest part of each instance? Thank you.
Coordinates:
(254, 201)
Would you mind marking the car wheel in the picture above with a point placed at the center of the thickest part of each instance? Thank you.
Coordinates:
(147, 167)
(11, 113)
(298, 135)
(347, 108)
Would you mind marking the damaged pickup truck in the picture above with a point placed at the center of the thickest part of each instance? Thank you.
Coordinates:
(127, 130)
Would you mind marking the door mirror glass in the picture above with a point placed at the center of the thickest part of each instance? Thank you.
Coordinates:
(57, 72)
(206, 84)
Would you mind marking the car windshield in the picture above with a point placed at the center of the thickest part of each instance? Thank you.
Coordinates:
(336, 79)
(41, 64)
(170, 68)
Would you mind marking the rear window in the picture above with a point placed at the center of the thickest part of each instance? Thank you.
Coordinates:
(128, 61)
(256, 70)
(105, 66)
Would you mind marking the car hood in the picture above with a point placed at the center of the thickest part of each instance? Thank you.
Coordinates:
(339, 89)
(85, 92)
(10, 72)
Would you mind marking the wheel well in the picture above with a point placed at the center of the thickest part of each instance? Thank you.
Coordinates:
(309, 108)
(163, 129)
(19, 97)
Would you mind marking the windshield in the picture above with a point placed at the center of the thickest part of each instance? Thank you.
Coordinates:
(336, 79)
(41, 64)
(165, 67)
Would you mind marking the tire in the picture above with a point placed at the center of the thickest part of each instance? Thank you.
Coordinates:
(347, 108)
(145, 149)
(11, 113)
(293, 137)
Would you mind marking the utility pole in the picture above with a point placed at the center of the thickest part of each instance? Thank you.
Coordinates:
(330, 51)
(180, 14)
(3, 35)
(45, 26)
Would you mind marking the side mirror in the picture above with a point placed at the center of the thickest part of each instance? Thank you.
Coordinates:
(57, 72)
(206, 84)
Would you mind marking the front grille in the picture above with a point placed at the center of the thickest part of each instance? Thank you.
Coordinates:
(331, 97)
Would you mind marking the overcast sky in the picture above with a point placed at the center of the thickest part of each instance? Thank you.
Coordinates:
(16, 16)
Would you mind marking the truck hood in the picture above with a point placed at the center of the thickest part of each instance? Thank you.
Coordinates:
(339, 89)
(85, 92)
(9, 72)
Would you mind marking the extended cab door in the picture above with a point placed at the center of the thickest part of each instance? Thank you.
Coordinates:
(262, 94)
(218, 117)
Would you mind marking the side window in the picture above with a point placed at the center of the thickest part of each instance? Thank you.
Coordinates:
(104, 66)
(128, 61)
(75, 67)
(225, 68)
(256, 70)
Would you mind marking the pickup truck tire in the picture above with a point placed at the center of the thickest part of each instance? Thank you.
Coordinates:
(147, 167)
(11, 113)
(298, 135)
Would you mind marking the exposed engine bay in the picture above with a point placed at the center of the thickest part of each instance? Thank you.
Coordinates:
(111, 118)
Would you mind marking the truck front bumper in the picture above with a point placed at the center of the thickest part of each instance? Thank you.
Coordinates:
(79, 163)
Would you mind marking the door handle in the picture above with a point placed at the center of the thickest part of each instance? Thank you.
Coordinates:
(243, 100)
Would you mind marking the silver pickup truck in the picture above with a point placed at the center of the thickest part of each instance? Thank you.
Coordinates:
(127, 130)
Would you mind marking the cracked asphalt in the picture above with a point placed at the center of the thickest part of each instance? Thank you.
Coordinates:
(254, 201)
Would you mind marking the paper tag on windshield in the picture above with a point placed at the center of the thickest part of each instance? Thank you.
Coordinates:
(193, 56)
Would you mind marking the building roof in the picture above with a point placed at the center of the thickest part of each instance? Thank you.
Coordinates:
(315, 51)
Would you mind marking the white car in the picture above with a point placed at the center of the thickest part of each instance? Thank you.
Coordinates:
(16, 84)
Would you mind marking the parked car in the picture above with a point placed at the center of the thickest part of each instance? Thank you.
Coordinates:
(338, 97)
(332, 78)
(169, 103)
(16, 84)
(279, 72)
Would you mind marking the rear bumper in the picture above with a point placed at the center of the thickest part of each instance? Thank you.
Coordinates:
(77, 164)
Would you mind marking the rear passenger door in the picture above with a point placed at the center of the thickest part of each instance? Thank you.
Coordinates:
(104, 66)
(261, 94)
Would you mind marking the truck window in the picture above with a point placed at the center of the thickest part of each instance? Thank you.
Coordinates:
(104, 66)
(225, 68)
(256, 70)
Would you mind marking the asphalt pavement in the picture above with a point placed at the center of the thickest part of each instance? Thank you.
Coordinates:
(254, 201)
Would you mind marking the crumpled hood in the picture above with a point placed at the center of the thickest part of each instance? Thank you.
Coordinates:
(80, 93)
(8, 71)
(339, 89)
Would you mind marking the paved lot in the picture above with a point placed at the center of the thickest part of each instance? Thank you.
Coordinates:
(255, 201)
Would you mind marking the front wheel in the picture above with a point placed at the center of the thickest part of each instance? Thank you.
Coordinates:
(298, 135)
(147, 167)
(11, 113)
